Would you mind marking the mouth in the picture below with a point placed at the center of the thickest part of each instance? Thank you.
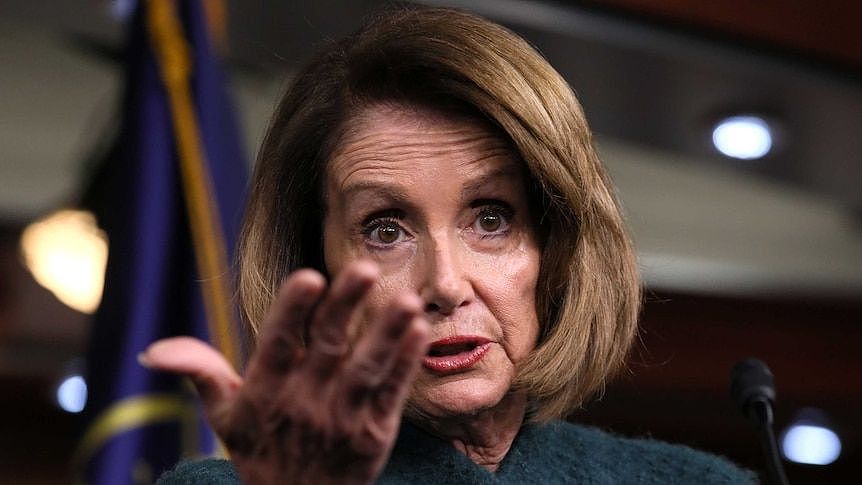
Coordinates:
(456, 354)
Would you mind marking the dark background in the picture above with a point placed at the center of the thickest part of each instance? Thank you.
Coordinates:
(651, 74)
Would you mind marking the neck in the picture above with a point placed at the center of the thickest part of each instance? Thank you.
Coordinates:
(485, 437)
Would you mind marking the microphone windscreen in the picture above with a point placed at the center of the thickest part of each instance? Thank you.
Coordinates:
(749, 379)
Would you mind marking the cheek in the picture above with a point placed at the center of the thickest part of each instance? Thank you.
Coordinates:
(394, 280)
(338, 251)
(511, 296)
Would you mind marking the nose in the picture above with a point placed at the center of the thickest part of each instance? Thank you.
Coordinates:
(446, 284)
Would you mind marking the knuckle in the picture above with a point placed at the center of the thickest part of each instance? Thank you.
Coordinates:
(386, 398)
(331, 346)
(370, 440)
(367, 372)
(282, 353)
(333, 308)
(278, 424)
(362, 380)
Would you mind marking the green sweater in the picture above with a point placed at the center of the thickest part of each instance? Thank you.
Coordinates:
(554, 453)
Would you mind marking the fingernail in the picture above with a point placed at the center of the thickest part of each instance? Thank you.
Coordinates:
(144, 361)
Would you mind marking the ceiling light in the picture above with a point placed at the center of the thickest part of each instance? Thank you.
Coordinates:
(743, 137)
(810, 444)
(72, 394)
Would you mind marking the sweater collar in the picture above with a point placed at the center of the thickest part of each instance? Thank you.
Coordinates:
(421, 457)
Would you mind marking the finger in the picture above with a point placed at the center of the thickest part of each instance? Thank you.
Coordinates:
(378, 349)
(283, 328)
(328, 332)
(215, 379)
(388, 399)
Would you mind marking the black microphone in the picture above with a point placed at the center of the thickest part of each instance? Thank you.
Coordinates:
(752, 387)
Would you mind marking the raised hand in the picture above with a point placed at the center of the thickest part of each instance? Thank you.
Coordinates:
(323, 412)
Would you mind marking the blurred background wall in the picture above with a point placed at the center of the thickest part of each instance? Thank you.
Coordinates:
(754, 254)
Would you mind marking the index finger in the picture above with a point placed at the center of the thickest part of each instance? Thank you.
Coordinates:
(329, 329)
(282, 334)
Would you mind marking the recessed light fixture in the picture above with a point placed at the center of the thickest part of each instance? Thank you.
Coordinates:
(743, 137)
(810, 440)
(72, 394)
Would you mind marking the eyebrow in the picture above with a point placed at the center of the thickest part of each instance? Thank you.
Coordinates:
(509, 171)
(386, 190)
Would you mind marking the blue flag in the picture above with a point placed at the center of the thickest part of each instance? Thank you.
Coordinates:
(175, 187)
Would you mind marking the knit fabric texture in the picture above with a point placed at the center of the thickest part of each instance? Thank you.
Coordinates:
(553, 453)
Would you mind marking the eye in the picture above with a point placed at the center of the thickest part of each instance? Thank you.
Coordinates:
(384, 232)
(492, 220)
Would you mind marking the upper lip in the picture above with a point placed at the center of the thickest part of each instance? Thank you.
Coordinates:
(456, 344)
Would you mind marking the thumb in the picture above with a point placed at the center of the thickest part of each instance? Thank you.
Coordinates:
(215, 379)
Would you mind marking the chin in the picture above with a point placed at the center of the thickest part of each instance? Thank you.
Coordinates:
(460, 395)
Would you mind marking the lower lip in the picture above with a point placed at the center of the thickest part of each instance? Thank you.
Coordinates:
(450, 364)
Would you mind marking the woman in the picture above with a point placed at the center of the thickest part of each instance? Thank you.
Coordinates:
(483, 284)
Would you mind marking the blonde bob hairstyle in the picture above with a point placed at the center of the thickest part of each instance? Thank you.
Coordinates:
(588, 293)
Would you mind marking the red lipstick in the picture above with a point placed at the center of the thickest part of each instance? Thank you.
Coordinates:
(455, 354)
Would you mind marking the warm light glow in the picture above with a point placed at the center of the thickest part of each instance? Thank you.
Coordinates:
(811, 445)
(66, 253)
(743, 137)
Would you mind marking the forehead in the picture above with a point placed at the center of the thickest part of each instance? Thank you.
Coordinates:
(387, 143)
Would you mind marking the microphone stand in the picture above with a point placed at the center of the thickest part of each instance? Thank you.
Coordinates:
(753, 389)
(761, 411)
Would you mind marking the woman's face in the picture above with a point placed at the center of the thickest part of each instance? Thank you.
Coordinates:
(439, 203)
